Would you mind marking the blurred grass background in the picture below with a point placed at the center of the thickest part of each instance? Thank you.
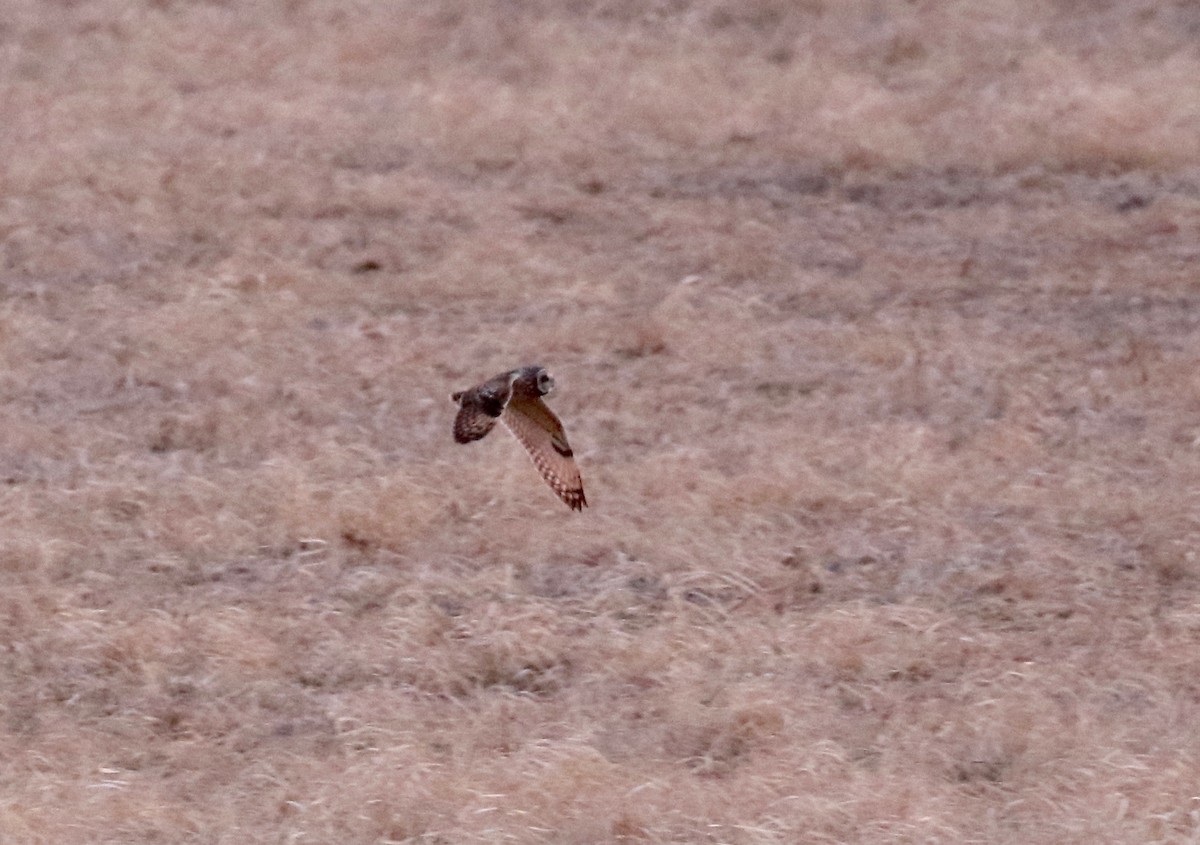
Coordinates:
(874, 326)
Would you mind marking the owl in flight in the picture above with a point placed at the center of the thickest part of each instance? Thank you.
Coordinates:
(515, 398)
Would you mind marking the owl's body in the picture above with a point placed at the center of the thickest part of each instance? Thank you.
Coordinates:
(515, 398)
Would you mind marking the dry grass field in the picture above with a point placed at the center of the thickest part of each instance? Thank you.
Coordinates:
(877, 334)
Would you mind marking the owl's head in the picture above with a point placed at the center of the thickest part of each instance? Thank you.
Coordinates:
(535, 377)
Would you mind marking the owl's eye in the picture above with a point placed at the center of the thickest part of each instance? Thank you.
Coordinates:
(545, 383)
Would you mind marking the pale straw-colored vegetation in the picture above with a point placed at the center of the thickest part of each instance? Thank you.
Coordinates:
(876, 332)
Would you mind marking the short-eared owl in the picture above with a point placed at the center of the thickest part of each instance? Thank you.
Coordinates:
(515, 398)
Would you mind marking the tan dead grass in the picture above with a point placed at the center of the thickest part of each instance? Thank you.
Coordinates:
(875, 329)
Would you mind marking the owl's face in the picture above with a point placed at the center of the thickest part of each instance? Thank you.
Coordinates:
(533, 379)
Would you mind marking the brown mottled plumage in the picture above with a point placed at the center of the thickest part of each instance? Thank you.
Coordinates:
(515, 398)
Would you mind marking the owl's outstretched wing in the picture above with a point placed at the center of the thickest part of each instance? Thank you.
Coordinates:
(471, 423)
(542, 435)
(480, 407)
